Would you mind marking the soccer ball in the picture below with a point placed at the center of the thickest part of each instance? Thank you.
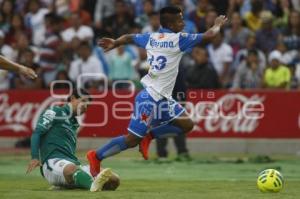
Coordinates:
(270, 180)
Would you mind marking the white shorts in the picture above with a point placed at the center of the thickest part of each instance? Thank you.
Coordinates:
(53, 171)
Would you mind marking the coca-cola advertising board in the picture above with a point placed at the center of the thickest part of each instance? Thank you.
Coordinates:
(217, 114)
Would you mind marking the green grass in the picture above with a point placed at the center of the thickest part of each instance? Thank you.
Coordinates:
(207, 177)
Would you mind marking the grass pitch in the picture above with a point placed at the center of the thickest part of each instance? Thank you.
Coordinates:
(207, 177)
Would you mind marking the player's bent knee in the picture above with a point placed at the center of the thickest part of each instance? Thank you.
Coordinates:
(69, 170)
(132, 140)
(188, 126)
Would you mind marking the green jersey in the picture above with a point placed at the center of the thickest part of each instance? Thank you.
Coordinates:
(55, 135)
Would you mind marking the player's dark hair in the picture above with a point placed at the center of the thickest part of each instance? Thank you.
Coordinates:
(78, 93)
(166, 15)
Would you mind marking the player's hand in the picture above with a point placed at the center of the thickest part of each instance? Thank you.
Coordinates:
(107, 44)
(220, 20)
(28, 72)
(32, 165)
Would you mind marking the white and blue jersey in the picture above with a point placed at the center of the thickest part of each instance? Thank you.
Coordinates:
(164, 52)
(154, 105)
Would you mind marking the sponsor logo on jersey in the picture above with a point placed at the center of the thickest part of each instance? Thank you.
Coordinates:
(49, 114)
(161, 36)
(161, 44)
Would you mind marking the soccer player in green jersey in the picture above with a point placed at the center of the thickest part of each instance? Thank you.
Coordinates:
(6, 64)
(53, 145)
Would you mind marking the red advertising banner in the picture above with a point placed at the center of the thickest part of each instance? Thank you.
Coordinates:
(217, 114)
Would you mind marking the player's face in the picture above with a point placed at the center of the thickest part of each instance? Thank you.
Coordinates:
(80, 105)
(84, 102)
(178, 24)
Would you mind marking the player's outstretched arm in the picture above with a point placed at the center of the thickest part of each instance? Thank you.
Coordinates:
(44, 123)
(213, 31)
(35, 143)
(12, 66)
(108, 43)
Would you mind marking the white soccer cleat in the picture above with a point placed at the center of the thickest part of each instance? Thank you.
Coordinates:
(101, 179)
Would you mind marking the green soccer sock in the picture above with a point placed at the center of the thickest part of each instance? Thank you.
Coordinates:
(82, 179)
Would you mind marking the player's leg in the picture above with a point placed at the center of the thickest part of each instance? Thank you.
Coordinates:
(137, 129)
(61, 172)
(174, 122)
(113, 147)
(113, 182)
(116, 145)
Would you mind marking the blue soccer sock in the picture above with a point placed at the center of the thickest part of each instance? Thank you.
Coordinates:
(115, 146)
(166, 130)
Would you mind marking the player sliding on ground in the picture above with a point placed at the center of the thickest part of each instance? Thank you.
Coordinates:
(53, 145)
(155, 114)
(6, 64)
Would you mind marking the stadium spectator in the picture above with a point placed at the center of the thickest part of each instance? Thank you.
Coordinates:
(236, 35)
(295, 76)
(281, 11)
(221, 56)
(61, 8)
(103, 9)
(277, 75)
(154, 24)
(234, 6)
(77, 6)
(202, 75)
(291, 34)
(50, 51)
(4, 80)
(17, 27)
(148, 11)
(7, 11)
(120, 23)
(34, 20)
(20, 81)
(86, 63)
(121, 67)
(288, 56)
(209, 20)
(268, 35)
(77, 29)
(221, 7)
(21, 44)
(198, 16)
(250, 73)
(158, 4)
(5, 49)
(62, 75)
(252, 18)
(242, 54)
(296, 5)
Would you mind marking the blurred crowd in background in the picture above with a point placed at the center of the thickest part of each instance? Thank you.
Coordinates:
(258, 48)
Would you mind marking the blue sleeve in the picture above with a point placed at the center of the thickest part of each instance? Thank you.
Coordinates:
(188, 41)
(141, 40)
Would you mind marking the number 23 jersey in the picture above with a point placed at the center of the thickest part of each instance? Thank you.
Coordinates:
(164, 51)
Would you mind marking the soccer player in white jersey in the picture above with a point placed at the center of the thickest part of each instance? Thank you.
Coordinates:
(155, 114)
(6, 64)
